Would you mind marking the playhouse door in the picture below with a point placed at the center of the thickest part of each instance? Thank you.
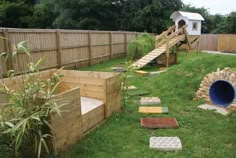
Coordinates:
(181, 23)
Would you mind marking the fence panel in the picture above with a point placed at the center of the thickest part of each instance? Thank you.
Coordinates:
(208, 42)
(227, 43)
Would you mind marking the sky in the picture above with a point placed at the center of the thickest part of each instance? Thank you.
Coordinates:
(214, 6)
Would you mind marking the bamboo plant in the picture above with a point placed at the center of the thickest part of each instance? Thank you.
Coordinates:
(25, 113)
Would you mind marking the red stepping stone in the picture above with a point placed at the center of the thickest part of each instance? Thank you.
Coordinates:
(159, 123)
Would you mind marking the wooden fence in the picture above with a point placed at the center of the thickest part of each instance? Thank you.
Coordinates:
(75, 48)
(218, 42)
(69, 48)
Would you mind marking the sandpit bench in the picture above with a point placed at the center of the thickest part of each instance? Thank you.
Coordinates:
(92, 97)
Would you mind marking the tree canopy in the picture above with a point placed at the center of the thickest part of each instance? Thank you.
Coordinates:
(127, 15)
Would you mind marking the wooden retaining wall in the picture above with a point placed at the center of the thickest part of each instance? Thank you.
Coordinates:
(69, 48)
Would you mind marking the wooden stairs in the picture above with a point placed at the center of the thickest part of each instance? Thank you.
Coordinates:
(164, 43)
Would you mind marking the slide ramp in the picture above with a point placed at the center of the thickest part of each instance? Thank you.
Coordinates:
(157, 52)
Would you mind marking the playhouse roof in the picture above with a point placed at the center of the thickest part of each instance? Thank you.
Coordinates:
(188, 15)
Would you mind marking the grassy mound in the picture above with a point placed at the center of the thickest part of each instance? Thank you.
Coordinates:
(203, 133)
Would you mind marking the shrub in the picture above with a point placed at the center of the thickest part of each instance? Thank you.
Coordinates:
(142, 45)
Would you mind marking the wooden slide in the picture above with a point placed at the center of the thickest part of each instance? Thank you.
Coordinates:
(164, 43)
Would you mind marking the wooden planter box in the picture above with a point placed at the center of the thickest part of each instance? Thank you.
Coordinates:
(92, 97)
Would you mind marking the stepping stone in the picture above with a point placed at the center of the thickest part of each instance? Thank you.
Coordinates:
(156, 72)
(130, 88)
(118, 69)
(159, 123)
(137, 92)
(153, 110)
(165, 143)
(217, 109)
(142, 73)
(150, 101)
(163, 68)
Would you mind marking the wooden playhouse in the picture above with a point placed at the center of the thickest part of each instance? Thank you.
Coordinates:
(92, 97)
(186, 32)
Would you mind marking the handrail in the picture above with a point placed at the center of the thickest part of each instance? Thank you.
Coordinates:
(168, 45)
(165, 32)
(174, 42)
(187, 37)
(171, 36)
(177, 32)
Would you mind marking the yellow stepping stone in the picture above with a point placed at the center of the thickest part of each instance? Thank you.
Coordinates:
(130, 88)
(153, 110)
(142, 73)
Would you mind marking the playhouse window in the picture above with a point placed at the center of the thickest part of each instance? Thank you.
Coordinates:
(194, 26)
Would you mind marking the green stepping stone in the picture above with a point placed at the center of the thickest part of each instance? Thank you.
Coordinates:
(137, 92)
(165, 110)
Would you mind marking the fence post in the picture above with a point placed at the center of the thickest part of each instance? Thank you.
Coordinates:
(167, 54)
(90, 48)
(187, 51)
(176, 54)
(136, 35)
(125, 43)
(198, 48)
(58, 45)
(111, 44)
(218, 46)
(8, 50)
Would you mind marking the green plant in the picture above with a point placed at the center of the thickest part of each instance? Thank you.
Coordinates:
(129, 70)
(139, 47)
(25, 113)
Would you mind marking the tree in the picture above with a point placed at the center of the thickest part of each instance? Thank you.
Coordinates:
(44, 14)
(15, 13)
(218, 24)
(132, 15)
(87, 14)
(231, 22)
(147, 15)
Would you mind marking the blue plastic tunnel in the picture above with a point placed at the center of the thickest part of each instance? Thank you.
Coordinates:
(222, 93)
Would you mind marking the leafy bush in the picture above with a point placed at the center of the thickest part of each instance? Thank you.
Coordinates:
(24, 116)
(142, 45)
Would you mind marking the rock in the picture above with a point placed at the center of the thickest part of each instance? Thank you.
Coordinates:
(217, 109)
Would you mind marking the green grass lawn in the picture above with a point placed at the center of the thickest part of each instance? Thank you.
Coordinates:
(204, 134)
